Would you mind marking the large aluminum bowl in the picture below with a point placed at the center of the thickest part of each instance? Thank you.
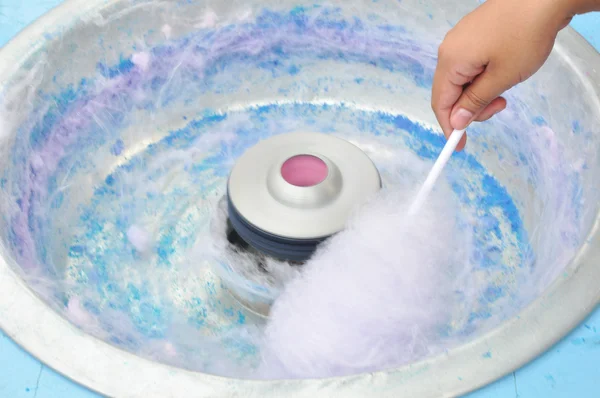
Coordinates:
(97, 85)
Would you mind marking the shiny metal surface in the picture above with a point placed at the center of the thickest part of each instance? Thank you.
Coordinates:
(262, 196)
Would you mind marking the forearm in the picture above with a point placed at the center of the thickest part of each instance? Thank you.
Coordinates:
(574, 7)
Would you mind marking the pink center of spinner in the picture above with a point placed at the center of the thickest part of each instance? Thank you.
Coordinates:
(304, 170)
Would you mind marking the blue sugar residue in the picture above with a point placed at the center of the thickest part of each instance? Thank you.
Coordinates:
(293, 70)
(493, 293)
(229, 312)
(60, 105)
(260, 121)
(76, 251)
(123, 67)
(539, 121)
(117, 147)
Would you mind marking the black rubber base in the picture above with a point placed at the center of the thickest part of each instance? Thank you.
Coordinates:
(295, 250)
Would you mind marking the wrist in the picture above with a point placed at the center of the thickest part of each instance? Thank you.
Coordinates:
(559, 13)
(575, 7)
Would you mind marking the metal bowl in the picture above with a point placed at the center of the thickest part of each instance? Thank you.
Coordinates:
(121, 121)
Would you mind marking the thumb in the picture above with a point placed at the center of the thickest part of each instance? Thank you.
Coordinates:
(476, 97)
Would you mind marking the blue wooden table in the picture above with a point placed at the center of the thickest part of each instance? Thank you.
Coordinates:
(570, 369)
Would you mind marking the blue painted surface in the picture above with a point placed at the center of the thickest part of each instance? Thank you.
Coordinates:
(566, 370)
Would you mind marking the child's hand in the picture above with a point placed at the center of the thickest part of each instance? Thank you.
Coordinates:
(500, 44)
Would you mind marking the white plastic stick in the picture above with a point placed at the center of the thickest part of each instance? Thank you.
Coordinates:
(436, 171)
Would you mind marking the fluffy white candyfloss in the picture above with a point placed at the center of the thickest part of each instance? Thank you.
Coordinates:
(379, 294)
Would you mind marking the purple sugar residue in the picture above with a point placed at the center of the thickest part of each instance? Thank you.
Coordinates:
(147, 85)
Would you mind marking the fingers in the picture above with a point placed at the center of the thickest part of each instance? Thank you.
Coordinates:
(448, 85)
(445, 93)
(480, 100)
(446, 90)
(495, 47)
(461, 143)
(496, 106)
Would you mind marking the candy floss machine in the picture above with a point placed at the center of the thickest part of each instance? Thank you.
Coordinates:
(157, 238)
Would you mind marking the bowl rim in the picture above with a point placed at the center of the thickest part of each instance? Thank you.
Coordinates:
(111, 371)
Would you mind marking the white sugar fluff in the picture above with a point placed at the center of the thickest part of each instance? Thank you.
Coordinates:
(377, 295)
(139, 238)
